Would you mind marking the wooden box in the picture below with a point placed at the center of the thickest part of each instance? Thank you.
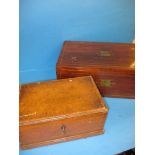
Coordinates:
(110, 64)
(62, 110)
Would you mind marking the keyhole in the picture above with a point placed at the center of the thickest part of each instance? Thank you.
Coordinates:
(63, 129)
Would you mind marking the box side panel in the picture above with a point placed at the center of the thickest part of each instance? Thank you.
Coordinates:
(60, 130)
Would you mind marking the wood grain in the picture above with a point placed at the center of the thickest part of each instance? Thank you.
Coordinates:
(64, 139)
(114, 62)
(61, 109)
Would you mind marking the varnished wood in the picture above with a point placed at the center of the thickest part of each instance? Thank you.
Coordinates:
(55, 111)
(64, 139)
(114, 62)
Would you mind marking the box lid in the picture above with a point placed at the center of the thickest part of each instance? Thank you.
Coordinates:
(52, 100)
(82, 55)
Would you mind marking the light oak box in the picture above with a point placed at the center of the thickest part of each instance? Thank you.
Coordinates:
(60, 110)
(112, 65)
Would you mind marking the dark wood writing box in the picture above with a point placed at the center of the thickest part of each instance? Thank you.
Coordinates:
(62, 110)
(112, 66)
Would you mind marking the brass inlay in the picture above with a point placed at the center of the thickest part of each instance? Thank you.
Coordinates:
(104, 53)
(132, 65)
(105, 83)
(74, 58)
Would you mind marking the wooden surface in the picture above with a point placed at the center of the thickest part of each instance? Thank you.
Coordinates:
(62, 109)
(62, 139)
(119, 134)
(110, 64)
(97, 54)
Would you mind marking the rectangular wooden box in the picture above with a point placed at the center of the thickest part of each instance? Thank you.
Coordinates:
(61, 110)
(112, 66)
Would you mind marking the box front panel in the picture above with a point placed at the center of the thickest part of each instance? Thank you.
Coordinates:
(52, 130)
(110, 84)
(116, 86)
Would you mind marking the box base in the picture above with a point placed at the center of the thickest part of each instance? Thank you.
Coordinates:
(118, 96)
(54, 141)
